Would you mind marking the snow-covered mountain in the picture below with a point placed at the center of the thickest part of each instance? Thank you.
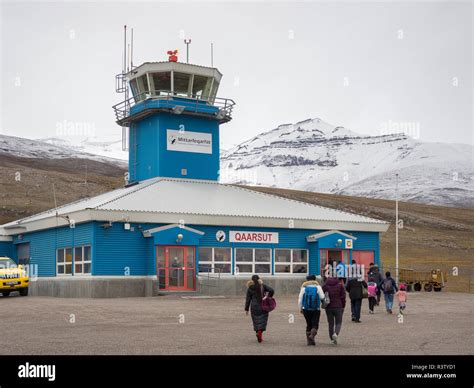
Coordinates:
(313, 155)
(56, 148)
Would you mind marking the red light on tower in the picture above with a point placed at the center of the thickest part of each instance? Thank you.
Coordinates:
(173, 55)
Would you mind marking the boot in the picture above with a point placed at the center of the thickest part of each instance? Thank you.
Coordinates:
(259, 336)
(308, 338)
(312, 334)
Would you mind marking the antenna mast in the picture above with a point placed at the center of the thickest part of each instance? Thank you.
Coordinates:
(212, 54)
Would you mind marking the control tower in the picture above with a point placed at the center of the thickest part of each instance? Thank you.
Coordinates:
(173, 118)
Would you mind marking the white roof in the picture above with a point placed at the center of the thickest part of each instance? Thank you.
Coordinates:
(171, 200)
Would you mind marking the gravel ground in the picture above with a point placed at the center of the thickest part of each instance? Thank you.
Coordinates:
(434, 323)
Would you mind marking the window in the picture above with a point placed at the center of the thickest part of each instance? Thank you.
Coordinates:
(80, 257)
(215, 260)
(82, 260)
(160, 82)
(182, 83)
(252, 260)
(201, 86)
(143, 90)
(23, 253)
(64, 261)
(291, 261)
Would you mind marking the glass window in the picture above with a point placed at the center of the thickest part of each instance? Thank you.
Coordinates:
(282, 255)
(222, 254)
(215, 86)
(81, 260)
(134, 88)
(252, 260)
(262, 268)
(61, 256)
(205, 267)
(143, 90)
(243, 268)
(291, 261)
(161, 257)
(161, 82)
(263, 255)
(205, 254)
(215, 260)
(201, 86)
(243, 254)
(300, 255)
(68, 255)
(182, 83)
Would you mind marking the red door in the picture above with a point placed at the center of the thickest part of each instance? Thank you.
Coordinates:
(363, 258)
(175, 268)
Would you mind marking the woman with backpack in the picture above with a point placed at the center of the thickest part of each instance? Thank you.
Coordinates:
(309, 303)
(334, 288)
(256, 291)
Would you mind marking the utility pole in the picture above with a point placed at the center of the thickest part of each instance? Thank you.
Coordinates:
(187, 42)
(396, 228)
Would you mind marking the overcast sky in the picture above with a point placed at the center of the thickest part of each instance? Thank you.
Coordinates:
(367, 66)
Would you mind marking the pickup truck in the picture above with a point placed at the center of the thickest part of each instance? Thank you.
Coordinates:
(13, 277)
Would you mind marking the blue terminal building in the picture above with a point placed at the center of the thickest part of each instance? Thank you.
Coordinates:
(173, 227)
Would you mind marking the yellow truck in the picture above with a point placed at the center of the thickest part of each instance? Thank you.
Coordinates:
(429, 280)
(13, 277)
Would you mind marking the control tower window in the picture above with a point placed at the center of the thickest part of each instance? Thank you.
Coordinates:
(215, 86)
(143, 90)
(161, 83)
(133, 86)
(201, 87)
(182, 84)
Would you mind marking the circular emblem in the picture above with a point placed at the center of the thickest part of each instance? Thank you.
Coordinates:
(220, 236)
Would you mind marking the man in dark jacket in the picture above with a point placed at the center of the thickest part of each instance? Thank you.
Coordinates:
(335, 309)
(355, 289)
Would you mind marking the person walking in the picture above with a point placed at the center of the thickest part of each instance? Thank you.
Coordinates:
(402, 299)
(334, 288)
(375, 276)
(372, 291)
(389, 287)
(309, 303)
(356, 293)
(256, 291)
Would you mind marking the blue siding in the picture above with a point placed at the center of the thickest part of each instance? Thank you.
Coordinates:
(119, 251)
(6, 248)
(149, 157)
(43, 245)
(116, 251)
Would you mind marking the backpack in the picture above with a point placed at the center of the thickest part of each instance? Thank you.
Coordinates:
(388, 286)
(372, 287)
(311, 300)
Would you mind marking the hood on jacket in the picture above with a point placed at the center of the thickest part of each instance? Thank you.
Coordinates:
(250, 283)
(310, 283)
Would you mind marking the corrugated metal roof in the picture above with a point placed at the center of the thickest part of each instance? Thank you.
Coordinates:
(197, 197)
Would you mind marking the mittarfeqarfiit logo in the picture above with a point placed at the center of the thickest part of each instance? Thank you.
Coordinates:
(31, 371)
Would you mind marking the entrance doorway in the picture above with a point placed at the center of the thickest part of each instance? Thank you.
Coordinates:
(175, 268)
(331, 256)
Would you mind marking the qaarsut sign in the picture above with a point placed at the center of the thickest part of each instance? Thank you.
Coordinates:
(237, 236)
